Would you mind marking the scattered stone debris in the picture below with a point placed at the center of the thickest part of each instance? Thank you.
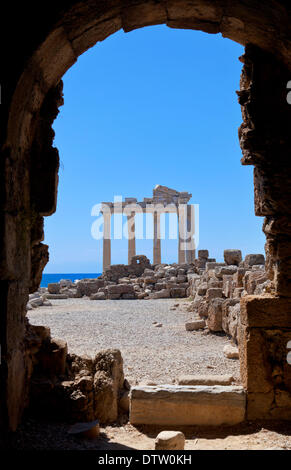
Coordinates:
(207, 282)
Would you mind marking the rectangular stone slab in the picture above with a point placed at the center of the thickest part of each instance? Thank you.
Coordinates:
(172, 405)
(265, 311)
(205, 380)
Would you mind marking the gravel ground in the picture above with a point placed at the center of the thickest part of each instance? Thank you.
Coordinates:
(35, 435)
(150, 353)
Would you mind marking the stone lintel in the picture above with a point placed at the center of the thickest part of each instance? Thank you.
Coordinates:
(174, 405)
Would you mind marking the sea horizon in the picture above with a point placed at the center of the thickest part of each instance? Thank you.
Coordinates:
(50, 278)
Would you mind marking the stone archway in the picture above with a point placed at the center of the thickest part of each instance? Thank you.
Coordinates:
(29, 166)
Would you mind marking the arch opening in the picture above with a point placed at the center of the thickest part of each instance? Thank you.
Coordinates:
(264, 140)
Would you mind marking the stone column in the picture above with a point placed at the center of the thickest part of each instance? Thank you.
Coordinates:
(106, 241)
(190, 254)
(131, 236)
(182, 220)
(157, 238)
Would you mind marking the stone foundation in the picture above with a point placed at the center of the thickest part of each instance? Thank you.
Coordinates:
(265, 372)
(176, 405)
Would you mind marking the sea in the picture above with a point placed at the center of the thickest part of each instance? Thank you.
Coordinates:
(53, 278)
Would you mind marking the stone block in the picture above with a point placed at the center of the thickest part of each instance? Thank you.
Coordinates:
(238, 277)
(161, 294)
(230, 317)
(114, 296)
(56, 296)
(53, 288)
(36, 302)
(221, 271)
(203, 309)
(71, 293)
(214, 283)
(212, 265)
(170, 440)
(108, 385)
(214, 319)
(86, 287)
(251, 260)
(232, 257)
(213, 293)
(120, 289)
(252, 279)
(195, 325)
(141, 295)
(181, 272)
(227, 282)
(202, 288)
(266, 311)
(178, 292)
(128, 296)
(98, 296)
(203, 254)
(66, 283)
(171, 405)
(150, 280)
(205, 380)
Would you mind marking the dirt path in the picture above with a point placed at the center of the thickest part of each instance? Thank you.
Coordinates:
(150, 353)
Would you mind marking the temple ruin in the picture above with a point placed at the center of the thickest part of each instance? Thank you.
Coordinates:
(164, 200)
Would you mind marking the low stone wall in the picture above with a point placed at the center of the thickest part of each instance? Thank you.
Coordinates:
(139, 280)
(73, 388)
(175, 405)
(218, 289)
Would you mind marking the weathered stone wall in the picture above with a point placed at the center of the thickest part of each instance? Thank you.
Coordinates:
(70, 387)
(31, 69)
(266, 322)
(217, 288)
(266, 141)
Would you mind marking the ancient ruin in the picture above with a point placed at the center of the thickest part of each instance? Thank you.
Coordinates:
(214, 292)
(164, 200)
(215, 289)
(31, 90)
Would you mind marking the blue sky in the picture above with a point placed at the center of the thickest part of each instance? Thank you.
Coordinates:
(153, 106)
